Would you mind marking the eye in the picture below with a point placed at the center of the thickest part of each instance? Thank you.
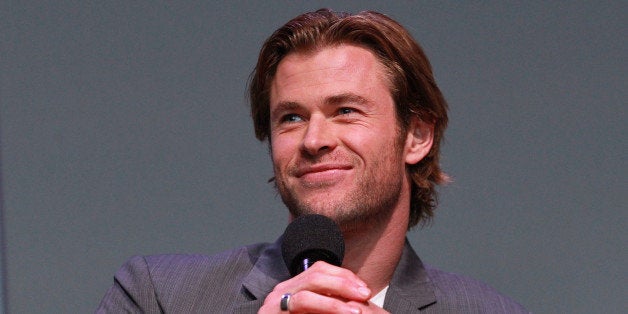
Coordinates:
(291, 118)
(345, 110)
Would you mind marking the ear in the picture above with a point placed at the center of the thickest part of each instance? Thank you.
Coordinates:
(418, 141)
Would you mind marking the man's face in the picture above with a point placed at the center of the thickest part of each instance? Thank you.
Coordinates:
(335, 140)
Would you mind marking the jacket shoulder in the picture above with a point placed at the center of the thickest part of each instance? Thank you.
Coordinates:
(180, 283)
(458, 292)
(193, 274)
(160, 266)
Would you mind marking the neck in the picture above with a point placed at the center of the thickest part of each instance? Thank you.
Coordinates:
(373, 250)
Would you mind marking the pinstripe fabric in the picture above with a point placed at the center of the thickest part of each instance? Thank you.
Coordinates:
(419, 288)
(237, 281)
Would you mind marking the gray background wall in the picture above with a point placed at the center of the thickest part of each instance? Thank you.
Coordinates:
(125, 130)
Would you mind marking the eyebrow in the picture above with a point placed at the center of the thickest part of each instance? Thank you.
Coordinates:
(346, 98)
(335, 100)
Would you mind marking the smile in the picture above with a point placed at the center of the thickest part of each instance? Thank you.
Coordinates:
(322, 174)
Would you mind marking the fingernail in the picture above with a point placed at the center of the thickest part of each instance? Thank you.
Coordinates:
(364, 291)
(355, 310)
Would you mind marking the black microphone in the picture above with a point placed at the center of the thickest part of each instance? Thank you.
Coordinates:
(312, 238)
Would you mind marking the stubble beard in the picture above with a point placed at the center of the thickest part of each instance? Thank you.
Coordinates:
(372, 200)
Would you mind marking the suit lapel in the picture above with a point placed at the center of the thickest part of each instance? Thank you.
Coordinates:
(268, 270)
(410, 288)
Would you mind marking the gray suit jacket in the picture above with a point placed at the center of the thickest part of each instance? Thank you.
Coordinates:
(238, 281)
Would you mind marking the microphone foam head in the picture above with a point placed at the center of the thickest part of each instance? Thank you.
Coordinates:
(312, 237)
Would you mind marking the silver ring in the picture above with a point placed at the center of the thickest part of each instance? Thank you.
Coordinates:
(284, 301)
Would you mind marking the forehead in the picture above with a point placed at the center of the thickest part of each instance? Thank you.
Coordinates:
(341, 68)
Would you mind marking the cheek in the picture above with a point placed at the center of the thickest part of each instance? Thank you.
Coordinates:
(282, 148)
(362, 140)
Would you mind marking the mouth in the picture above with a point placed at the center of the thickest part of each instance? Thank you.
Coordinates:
(324, 174)
(320, 169)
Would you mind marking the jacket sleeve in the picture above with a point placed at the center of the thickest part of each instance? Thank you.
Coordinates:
(132, 290)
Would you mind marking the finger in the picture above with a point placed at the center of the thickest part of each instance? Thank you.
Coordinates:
(326, 279)
(310, 302)
(335, 270)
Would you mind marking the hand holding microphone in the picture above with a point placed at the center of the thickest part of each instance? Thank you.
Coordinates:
(315, 243)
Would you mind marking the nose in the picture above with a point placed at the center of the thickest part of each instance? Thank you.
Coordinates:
(319, 136)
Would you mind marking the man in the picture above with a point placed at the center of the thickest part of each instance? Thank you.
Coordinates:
(354, 121)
